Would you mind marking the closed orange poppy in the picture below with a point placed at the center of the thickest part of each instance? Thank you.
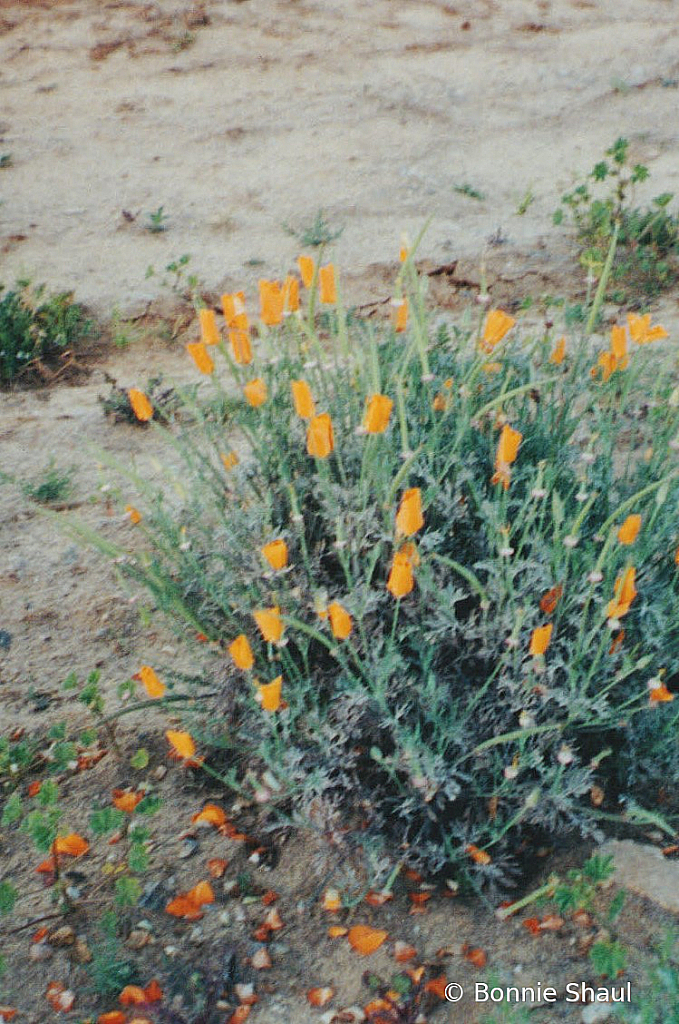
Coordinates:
(141, 407)
(152, 684)
(270, 694)
(340, 621)
(132, 995)
(134, 515)
(619, 346)
(401, 580)
(540, 639)
(306, 269)
(255, 392)
(497, 324)
(625, 592)
(377, 413)
(270, 623)
(271, 302)
(508, 445)
(558, 355)
(201, 357)
(320, 440)
(629, 531)
(233, 306)
(328, 288)
(276, 553)
(209, 332)
(409, 518)
(230, 460)
(550, 599)
(291, 294)
(182, 742)
(73, 845)
(305, 406)
(399, 316)
(660, 694)
(126, 801)
(241, 652)
(239, 340)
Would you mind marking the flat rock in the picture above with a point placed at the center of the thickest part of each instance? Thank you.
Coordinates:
(643, 869)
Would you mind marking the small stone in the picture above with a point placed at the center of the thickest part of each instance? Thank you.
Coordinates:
(40, 951)
(643, 869)
(171, 951)
(224, 918)
(188, 848)
(159, 773)
(81, 951)
(138, 938)
(196, 935)
(64, 936)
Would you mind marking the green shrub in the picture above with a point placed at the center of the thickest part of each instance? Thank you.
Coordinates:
(35, 327)
(647, 256)
(435, 731)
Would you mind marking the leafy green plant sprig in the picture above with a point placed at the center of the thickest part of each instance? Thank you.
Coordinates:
(36, 327)
(647, 256)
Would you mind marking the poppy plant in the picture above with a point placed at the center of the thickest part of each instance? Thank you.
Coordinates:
(559, 353)
(401, 580)
(399, 314)
(270, 694)
(320, 440)
(340, 621)
(507, 450)
(239, 340)
(377, 413)
(233, 306)
(290, 294)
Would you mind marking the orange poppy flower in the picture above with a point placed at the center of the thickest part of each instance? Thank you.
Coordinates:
(189, 904)
(256, 392)
(550, 599)
(291, 294)
(276, 553)
(141, 407)
(230, 460)
(305, 406)
(540, 639)
(152, 684)
(233, 306)
(660, 694)
(409, 518)
(306, 269)
(497, 324)
(112, 1017)
(641, 331)
(271, 302)
(477, 855)
(241, 652)
(209, 332)
(619, 346)
(270, 624)
(73, 845)
(201, 357)
(559, 353)
(377, 413)
(508, 445)
(239, 340)
(401, 580)
(399, 314)
(270, 694)
(629, 531)
(153, 992)
(212, 813)
(132, 995)
(625, 592)
(364, 939)
(320, 440)
(328, 288)
(617, 641)
(320, 996)
(134, 515)
(340, 621)
(182, 743)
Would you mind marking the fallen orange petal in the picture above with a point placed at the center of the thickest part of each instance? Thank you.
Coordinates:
(182, 742)
(212, 813)
(132, 995)
(364, 939)
(73, 845)
(320, 996)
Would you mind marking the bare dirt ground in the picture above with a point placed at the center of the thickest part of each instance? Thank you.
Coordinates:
(237, 117)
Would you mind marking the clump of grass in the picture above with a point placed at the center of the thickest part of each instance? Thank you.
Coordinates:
(34, 328)
(53, 486)
(647, 256)
(441, 573)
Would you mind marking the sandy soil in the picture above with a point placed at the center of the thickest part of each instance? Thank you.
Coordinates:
(237, 117)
